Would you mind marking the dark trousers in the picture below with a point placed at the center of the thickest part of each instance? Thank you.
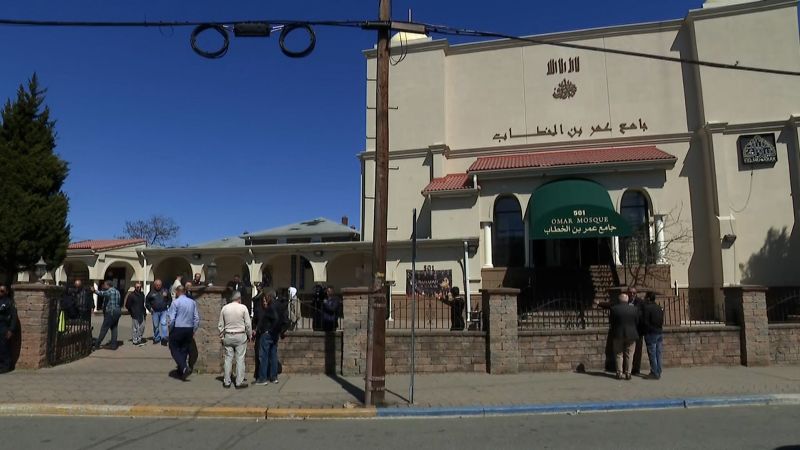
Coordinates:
(110, 321)
(180, 343)
(637, 357)
(5, 351)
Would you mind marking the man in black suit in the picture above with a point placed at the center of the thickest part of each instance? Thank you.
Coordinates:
(624, 324)
(237, 285)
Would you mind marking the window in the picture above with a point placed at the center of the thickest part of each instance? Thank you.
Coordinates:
(508, 244)
(636, 249)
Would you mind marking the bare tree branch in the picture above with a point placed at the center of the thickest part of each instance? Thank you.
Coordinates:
(157, 230)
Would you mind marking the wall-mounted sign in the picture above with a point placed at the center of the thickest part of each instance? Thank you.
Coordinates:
(573, 132)
(560, 65)
(429, 281)
(757, 149)
(566, 89)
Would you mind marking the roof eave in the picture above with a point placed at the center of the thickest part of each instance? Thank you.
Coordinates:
(574, 169)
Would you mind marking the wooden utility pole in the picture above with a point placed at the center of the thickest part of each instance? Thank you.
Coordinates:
(374, 392)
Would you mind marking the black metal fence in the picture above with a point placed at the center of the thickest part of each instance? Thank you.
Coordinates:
(783, 305)
(69, 336)
(312, 314)
(431, 314)
(576, 311)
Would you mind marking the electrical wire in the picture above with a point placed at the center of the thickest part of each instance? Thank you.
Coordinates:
(451, 31)
(312, 40)
(371, 25)
(219, 53)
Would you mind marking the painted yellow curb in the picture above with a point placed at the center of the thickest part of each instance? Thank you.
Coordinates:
(321, 413)
(194, 411)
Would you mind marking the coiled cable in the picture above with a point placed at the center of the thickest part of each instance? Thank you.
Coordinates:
(219, 53)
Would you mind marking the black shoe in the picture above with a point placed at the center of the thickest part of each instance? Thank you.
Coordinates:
(156, 342)
(241, 386)
(227, 385)
(628, 376)
(164, 343)
(186, 374)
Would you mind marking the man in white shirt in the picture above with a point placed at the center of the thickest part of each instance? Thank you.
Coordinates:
(235, 329)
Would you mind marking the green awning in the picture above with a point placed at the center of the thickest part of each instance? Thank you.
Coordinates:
(573, 209)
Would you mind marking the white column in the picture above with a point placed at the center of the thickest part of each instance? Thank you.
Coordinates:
(487, 244)
(615, 244)
(659, 231)
(466, 282)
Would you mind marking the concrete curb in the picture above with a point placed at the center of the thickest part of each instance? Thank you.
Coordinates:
(51, 409)
(576, 408)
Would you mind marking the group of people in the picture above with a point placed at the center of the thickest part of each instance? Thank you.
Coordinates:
(264, 326)
(632, 319)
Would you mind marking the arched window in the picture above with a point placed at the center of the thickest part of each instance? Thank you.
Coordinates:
(508, 246)
(636, 249)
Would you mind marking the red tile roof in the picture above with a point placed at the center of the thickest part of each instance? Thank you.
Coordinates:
(104, 244)
(570, 158)
(450, 182)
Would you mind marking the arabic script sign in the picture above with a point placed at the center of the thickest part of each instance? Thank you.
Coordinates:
(429, 281)
(585, 221)
(574, 131)
(566, 89)
(560, 65)
(757, 149)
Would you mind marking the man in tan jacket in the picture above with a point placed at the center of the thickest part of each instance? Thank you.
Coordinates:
(235, 329)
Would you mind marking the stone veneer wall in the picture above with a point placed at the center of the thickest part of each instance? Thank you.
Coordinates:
(437, 351)
(34, 304)
(683, 347)
(310, 352)
(784, 343)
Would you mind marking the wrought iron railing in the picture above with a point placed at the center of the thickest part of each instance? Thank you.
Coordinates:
(563, 313)
(431, 314)
(783, 305)
(69, 336)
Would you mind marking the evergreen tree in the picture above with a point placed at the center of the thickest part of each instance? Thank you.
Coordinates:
(33, 209)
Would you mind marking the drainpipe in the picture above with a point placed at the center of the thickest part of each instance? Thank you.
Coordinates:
(466, 279)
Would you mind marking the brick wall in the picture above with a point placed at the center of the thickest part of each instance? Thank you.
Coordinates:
(305, 352)
(784, 343)
(437, 351)
(683, 347)
(33, 302)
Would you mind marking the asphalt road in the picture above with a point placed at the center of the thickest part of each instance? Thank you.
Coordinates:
(721, 428)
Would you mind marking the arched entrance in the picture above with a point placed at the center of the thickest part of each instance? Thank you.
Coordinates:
(229, 267)
(76, 270)
(348, 270)
(121, 274)
(282, 271)
(168, 270)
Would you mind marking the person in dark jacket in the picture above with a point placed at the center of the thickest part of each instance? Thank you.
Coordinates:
(652, 322)
(638, 302)
(330, 310)
(624, 324)
(8, 328)
(157, 304)
(83, 300)
(453, 299)
(134, 303)
(270, 327)
(237, 285)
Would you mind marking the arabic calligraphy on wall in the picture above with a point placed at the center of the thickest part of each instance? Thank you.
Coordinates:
(570, 65)
(573, 132)
(566, 89)
(757, 149)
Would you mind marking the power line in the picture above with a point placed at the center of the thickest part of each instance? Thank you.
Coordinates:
(223, 26)
(451, 31)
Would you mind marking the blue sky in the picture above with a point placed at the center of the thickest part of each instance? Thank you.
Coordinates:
(246, 142)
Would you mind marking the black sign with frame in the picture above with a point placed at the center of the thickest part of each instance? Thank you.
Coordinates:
(757, 149)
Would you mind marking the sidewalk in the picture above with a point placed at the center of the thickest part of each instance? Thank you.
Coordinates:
(134, 376)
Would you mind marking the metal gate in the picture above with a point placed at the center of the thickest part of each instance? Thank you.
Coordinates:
(68, 339)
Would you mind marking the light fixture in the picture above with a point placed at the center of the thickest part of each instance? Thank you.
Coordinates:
(41, 269)
(729, 238)
(211, 272)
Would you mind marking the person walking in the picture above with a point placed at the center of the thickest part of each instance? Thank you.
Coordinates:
(624, 321)
(134, 303)
(8, 328)
(235, 330)
(112, 310)
(183, 319)
(652, 326)
(269, 326)
(157, 303)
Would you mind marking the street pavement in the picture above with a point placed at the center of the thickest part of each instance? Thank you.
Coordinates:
(715, 428)
(139, 376)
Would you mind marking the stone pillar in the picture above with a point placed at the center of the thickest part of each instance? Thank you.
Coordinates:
(208, 355)
(354, 331)
(500, 323)
(35, 303)
(487, 245)
(749, 305)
